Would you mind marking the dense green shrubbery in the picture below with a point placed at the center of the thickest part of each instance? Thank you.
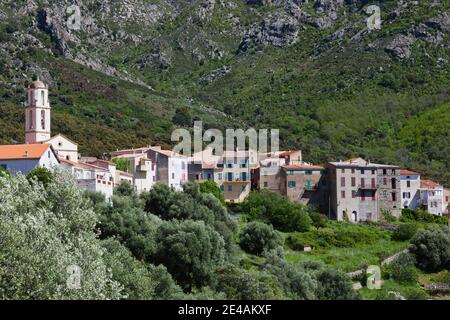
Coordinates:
(296, 282)
(403, 268)
(341, 235)
(46, 230)
(212, 188)
(318, 220)
(431, 248)
(335, 285)
(257, 237)
(238, 283)
(277, 210)
(41, 174)
(422, 216)
(193, 205)
(190, 250)
(404, 232)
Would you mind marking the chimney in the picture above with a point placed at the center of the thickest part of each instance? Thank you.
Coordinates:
(26, 154)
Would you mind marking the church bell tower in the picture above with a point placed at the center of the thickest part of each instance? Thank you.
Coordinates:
(37, 113)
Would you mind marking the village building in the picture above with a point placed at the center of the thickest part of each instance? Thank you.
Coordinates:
(432, 197)
(286, 173)
(410, 189)
(23, 158)
(142, 169)
(91, 177)
(361, 190)
(306, 184)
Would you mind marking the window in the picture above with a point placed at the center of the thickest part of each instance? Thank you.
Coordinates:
(230, 176)
(373, 171)
(43, 119)
(446, 198)
(230, 188)
(209, 176)
(362, 171)
(393, 183)
(393, 171)
(353, 170)
(384, 181)
(373, 182)
(173, 175)
(343, 182)
(154, 178)
(266, 184)
(384, 172)
(183, 165)
(363, 195)
(244, 176)
(42, 97)
(60, 144)
(31, 119)
(48, 154)
(394, 196)
(362, 182)
(291, 184)
(343, 170)
(342, 194)
(408, 184)
(353, 194)
(353, 181)
(373, 195)
(219, 176)
(308, 172)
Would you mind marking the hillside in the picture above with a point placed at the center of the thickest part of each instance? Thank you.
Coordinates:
(309, 68)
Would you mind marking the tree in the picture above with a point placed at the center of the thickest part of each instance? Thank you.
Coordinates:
(125, 189)
(4, 173)
(41, 174)
(212, 188)
(404, 232)
(190, 250)
(256, 237)
(122, 164)
(240, 284)
(131, 226)
(431, 248)
(182, 117)
(131, 273)
(403, 268)
(296, 283)
(318, 220)
(335, 285)
(273, 208)
(47, 233)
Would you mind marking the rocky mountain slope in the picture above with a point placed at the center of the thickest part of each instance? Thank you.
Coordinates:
(128, 72)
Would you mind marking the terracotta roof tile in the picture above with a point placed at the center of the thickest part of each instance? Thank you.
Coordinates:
(408, 173)
(23, 151)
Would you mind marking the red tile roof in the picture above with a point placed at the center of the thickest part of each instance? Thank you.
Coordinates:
(82, 165)
(428, 184)
(408, 173)
(23, 151)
